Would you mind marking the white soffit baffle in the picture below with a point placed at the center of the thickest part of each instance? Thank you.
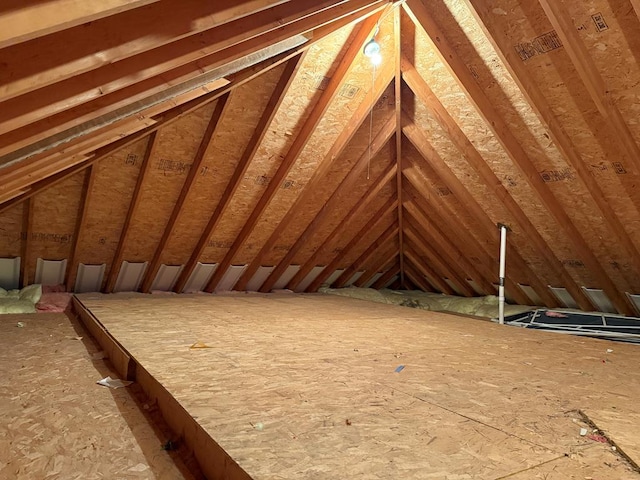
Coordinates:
(230, 278)
(372, 280)
(635, 299)
(199, 278)
(287, 275)
(531, 293)
(130, 276)
(10, 273)
(563, 296)
(353, 278)
(333, 277)
(50, 272)
(453, 286)
(311, 276)
(166, 277)
(259, 278)
(89, 278)
(391, 280)
(600, 300)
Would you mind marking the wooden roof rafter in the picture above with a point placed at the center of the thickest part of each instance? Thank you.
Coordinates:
(378, 264)
(422, 275)
(389, 273)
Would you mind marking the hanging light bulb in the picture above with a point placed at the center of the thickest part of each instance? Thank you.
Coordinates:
(372, 48)
(376, 59)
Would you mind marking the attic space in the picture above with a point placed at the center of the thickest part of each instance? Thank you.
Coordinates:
(186, 184)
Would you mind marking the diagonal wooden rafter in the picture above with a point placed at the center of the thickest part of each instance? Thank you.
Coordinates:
(248, 154)
(205, 143)
(432, 234)
(420, 15)
(438, 258)
(114, 266)
(422, 274)
(385, 237)
(356, 211)
(429, 264)
(382, 261)
(303, 136)
(473, 157)
(85, 199)
(374, 221)
(537, 100)
(354, 175)
(386, 277)
(636, 7)
(486, 230)
(323, 168)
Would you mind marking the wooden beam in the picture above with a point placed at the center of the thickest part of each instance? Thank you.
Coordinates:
(432, 233)
(429, 264)
(114, 267)
(303, 136)
(22, 21)
(374, 221)
(250, 150)
(387, 276)
(205, 143)
(357, 211)
(422, 275)
(485, 228)
(352, 269)
(475, 160)
(25, 246)
(333, 203)
(81, 220)
(309, 192)
(514, 150)
(385, 260)
(439, 258)
(482, 11)
(397, 38)
(636, 7)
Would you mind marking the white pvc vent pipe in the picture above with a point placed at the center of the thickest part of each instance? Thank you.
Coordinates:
(503, 254)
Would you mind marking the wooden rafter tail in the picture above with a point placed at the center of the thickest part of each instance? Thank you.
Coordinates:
(539, 103)
(517, 154)
(356, 211)
(81, 221)
(308, 194)
(373, 222)
(277, 96)
(383, 261)
(114, 266)
(386, 277)
(300, 141)
(214, 123)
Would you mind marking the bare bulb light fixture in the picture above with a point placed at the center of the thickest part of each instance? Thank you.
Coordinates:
(372, 52)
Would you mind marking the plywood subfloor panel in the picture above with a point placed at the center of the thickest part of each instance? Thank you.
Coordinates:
(305, 386)
(56, 422)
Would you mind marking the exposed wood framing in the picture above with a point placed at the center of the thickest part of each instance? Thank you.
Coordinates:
(356, 211)
(422, 276)
(512, 147)
(25, 250)
(378, 264)
(249, 152)
(114, 266)
(205, 143)
(393, 270)
(428, 264)
(398, 99)
(334, 84)
(85, 200)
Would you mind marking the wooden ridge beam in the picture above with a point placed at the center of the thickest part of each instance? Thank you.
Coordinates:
(386, 277)
(114, 266)
(81, 221)
(205, 143)
(514, 150)
(387, 258)
(359, 209)
(318, 176)
(475, 160)
(248, 154)
(307, 129)
(374, 247)
(350, 180)
(438, 258)
(26, 21)
(481, 10)
(374, 221)
(431, 232)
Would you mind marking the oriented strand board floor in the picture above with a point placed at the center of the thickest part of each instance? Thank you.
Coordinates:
(305, 386)
(56, 423)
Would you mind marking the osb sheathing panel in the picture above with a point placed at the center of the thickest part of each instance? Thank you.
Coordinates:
(298, 103)
(491, 74)
(246, 106)
(348, 200)
(488, 146)
(176, 146)
(10, 231)
(54, 221)
(340, 167)
(114, 179)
